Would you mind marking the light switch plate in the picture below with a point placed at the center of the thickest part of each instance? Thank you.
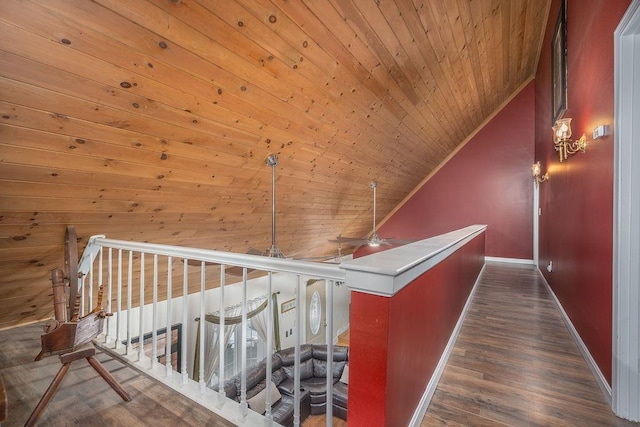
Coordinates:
(600, 131)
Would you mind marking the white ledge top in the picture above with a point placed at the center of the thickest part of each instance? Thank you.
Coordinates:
(385, 273)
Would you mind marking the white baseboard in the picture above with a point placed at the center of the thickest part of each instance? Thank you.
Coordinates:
(425, 400)
(600, 379)
(510, 260)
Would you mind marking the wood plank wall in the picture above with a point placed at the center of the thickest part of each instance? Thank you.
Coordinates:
(151, 119)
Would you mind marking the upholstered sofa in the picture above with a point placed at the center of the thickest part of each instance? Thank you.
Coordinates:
(282, 400)
(313, 393)
(313, 375)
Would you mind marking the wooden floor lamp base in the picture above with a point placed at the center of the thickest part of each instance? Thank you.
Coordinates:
(88, 352)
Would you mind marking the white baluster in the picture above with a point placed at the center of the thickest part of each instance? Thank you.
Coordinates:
(167, 341)
(129, 296)
(269, 346)
(141, 326)
(243, 377)
(185, 329)
(329, 335)
(118, 319)
(296, 368)
(154, 315)
(221, 394)
(109, 290)
(202, 320)
(91, 260)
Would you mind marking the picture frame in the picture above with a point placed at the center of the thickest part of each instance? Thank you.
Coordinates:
(175, 337)
(559, 66)
(288, 305)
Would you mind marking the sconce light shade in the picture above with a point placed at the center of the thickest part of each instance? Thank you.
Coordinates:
(536, 171)
(562, 139)
(563, 129)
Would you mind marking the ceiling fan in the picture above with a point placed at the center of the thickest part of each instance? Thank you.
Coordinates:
(374, 239)
(273, 251)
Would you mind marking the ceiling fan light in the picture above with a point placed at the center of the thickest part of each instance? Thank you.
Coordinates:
(375, 240)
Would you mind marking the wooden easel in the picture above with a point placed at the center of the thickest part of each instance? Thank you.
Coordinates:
(69, 336)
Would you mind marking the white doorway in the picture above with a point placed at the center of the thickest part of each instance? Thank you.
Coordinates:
(626, 228)
(536, 224)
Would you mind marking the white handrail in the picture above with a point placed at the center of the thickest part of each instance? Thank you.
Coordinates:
(122, 328)
(257, 262)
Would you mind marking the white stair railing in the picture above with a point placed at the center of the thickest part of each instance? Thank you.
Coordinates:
(128, 268)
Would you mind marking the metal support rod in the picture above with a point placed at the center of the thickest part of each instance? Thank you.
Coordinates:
(374, 185)
(272, 161)
(273, 205)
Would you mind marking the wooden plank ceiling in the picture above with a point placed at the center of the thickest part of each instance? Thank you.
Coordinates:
(151, 120)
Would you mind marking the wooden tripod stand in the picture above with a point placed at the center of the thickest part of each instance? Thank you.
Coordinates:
(88, 352)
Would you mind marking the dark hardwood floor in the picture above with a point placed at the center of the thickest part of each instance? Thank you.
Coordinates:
(84, 398)
(515, 363)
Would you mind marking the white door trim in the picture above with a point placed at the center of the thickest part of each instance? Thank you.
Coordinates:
(536, 224)
(626, 219)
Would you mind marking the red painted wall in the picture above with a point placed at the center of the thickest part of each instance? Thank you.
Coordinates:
(576, 226)
(396, 342)
(487, 182)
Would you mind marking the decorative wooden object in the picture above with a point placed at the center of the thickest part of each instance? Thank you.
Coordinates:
(68, 335)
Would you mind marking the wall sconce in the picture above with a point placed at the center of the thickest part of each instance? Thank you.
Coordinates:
(562, 140)
(536, 172)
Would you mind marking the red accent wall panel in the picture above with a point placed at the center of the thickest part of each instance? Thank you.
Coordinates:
(396, 342)
(487, 182)
(368, 356)
(576, 226)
